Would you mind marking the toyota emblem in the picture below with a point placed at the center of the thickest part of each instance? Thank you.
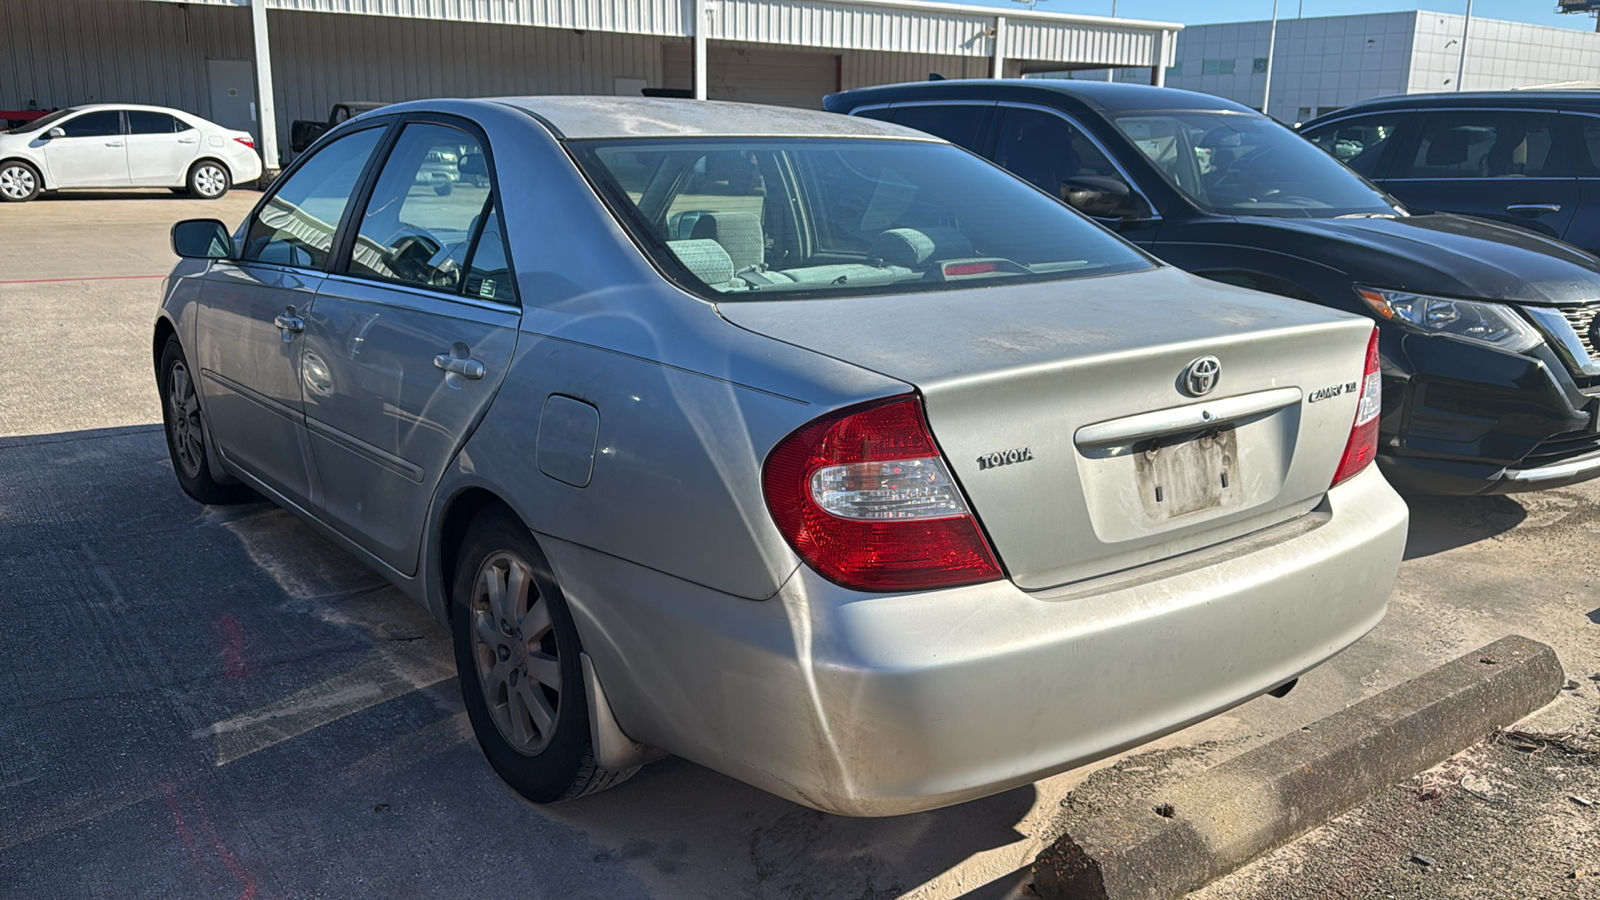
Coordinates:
(1201, 376)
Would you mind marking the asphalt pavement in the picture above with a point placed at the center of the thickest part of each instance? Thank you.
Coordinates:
(209, 702)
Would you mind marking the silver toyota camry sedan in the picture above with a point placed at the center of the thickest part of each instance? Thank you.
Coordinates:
(815, 450)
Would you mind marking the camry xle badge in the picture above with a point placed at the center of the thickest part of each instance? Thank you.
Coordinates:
(1200, 377)
(1004, 458)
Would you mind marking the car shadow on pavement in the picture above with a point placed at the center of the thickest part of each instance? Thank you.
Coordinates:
(156, 193)
(251, 675)
(1445, 523)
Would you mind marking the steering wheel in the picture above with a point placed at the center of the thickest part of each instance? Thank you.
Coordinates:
(412, 254)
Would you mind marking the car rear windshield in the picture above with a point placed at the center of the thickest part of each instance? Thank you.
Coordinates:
(750, 219)
(1243, 164)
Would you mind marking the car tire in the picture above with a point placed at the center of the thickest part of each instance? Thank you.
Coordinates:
(443, 188)
(209, 179)
(187, 436)
(513, 636)
(19, 182)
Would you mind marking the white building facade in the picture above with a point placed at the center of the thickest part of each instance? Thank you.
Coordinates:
(1323, 64)
(259, 64)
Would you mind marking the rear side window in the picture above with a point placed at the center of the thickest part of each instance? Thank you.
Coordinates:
(145, 122)
(426, 205)
(1050, 152)
(1358, 143)
(959, 123)
(295, 226)
(95, 124)
(1484, 144)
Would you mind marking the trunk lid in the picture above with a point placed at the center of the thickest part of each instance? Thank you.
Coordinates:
(1059, 407)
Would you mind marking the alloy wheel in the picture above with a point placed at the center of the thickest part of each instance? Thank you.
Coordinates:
(17, 182)
(514, 646)
(187, 442)
(210, 180)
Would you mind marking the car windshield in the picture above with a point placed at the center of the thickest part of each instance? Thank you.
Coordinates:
(750, 219)
(41, 122)
(1244, 164)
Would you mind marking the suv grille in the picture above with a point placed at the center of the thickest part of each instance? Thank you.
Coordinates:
(1581, 318)
(1564, 446)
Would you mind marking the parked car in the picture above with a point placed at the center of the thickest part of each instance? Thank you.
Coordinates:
(892, 484)
(1526, 158)
(116, 145)
(1492, 379)
(304, 132)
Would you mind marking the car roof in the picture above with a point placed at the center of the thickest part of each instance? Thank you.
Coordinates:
(1534, 99)
(1102, 96)
(144, 107)
(580, 118)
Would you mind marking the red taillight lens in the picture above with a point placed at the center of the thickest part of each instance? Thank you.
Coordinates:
(247, 141)
(1362, 447)
(865, 498)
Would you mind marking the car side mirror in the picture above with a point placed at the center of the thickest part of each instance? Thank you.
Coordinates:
(1102, 196)
(202, 239)
(473, 164)
(54, 133)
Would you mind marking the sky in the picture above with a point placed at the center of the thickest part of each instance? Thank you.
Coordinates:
(1539, 12)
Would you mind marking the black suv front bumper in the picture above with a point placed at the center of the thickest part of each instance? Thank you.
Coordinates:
(1460, 418)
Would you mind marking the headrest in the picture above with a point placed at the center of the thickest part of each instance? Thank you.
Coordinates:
(705, 259)
(910, 248)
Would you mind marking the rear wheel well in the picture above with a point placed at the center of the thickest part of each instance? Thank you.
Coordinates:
(458, 517)
(214, 159)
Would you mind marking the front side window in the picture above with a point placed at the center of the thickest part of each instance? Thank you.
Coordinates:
(1484, 144)
(1247, 164)
(94, 124)
(145, 122)
(425, 208)
(295, 226)
(1358, 143)
(781, 218)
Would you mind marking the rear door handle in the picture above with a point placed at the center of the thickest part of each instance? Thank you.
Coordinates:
(113, 143)
(466, 368)
(1533, 209)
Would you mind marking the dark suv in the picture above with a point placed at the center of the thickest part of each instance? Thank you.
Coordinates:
(1527, 158)
(1491, 380)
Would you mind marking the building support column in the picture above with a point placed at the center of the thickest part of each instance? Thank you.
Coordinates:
(1158, 72)
(266, 111)
(702, 12)
(999, 70)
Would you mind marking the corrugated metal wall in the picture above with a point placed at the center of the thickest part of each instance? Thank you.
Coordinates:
(843, 26)
(320, 59)
(865, 69)
(66, 52)
(1035, 39)
(657, 17)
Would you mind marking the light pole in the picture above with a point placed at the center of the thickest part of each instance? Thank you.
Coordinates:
(1461, 70)
(1272, 44)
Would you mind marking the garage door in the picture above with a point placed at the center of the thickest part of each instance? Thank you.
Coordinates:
(757, 75)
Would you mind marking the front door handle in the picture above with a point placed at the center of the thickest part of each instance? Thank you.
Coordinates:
(113, 143)
(466, 368)
(1530, 210)
(289, 323)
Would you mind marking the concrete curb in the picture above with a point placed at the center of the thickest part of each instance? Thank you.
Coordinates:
(1212, 823)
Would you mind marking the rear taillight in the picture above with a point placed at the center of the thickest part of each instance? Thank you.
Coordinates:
(865, 499)
(247, 141)
(1362, 447)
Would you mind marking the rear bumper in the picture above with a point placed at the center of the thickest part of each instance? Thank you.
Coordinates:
(874, 704)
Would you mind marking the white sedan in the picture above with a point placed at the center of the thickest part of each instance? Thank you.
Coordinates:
(111, 146)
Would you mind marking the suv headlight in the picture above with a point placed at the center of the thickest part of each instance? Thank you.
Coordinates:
(1486, 323)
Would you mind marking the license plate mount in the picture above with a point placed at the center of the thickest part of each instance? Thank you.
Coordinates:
(1179, 475)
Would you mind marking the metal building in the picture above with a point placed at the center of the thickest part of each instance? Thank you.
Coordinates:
(1326, 63)
(259, 64)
